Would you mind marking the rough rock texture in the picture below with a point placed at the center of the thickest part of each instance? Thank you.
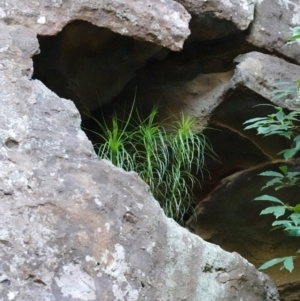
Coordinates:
(77, 228)
(82, 65)
(260, 73)
(214, 19)
(223, 92)
(253, 84)
(77, 65)
(271, 27)
(164, 22)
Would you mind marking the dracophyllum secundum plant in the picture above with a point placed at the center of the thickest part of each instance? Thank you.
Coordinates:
(166, 161)
(286, 125)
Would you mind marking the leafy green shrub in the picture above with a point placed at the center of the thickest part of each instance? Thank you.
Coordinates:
(291, 224)
(285, 125)
(166, 161)
(288, 90)
(281, 124)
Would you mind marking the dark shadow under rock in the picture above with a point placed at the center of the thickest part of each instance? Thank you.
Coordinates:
(240, 105)
(88, 64)
(234, 153)
(230, 218)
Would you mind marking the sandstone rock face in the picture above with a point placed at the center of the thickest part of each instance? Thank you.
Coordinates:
(252, 84)
(74, 227)
(214, 19)
(87, 71)
(260, 73)
(162, 22)
(195, 97)
(271, 26)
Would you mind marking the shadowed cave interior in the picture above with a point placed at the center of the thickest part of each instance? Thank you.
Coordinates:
(102, 71)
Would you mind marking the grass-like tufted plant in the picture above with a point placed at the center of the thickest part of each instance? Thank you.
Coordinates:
(166, 160)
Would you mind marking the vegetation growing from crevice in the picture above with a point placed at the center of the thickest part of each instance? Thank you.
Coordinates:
(286, 125)
(169, 161)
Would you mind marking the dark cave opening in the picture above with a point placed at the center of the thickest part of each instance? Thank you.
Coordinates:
(103, 72)
(88, 64)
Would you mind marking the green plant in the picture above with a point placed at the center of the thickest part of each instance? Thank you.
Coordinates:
(115, 142)
(295, 35)
(279, 123)
(166, 161)
(187, 151)
(287, 90)
(285, 125)
(291, 224)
